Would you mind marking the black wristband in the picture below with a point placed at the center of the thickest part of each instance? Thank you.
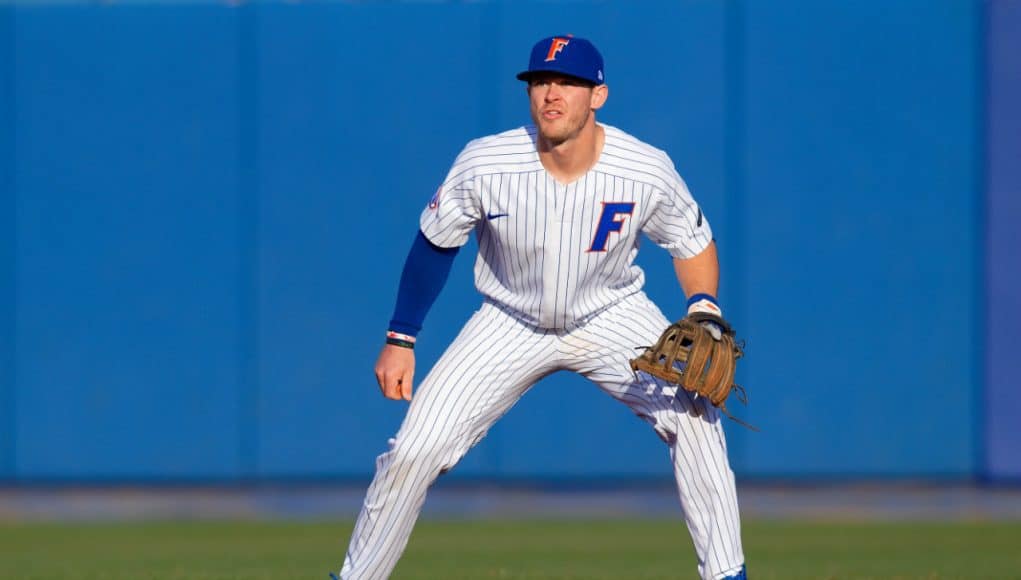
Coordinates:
(401, 343)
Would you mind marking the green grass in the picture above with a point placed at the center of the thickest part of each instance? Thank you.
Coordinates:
(479, 550)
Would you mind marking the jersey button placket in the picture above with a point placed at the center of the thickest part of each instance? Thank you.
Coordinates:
(550, 251)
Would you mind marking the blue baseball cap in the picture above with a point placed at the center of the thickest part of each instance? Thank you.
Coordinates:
(567, 55)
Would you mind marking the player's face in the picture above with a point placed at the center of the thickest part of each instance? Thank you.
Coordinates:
(562, 106)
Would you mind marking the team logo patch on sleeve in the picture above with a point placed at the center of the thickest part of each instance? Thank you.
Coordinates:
(434, 202)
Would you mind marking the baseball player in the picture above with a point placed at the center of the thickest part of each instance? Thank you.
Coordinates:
(557, 208)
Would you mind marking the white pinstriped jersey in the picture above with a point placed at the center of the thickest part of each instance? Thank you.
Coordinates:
(558, 254)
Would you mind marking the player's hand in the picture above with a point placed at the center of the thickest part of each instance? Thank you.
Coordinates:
(714, 328)
(395, 369)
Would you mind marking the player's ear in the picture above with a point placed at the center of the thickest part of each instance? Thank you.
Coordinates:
(599, 96)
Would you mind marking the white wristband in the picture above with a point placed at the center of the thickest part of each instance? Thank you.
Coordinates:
(705, 305)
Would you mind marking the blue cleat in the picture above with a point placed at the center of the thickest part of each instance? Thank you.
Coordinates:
(742, 575)
(334, 576)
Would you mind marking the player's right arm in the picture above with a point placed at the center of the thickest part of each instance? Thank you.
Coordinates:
(425, 273)
(445, 225)
(395, 370)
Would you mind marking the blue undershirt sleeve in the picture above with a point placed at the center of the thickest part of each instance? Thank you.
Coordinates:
(425, 273)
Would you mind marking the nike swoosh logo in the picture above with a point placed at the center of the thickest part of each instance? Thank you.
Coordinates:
(493, 216)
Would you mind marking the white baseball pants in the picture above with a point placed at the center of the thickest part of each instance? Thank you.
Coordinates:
(489, 366)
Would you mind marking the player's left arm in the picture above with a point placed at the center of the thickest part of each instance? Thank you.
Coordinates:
(699, 274)
(677, 224)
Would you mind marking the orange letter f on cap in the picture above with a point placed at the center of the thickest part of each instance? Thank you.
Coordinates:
(556, 46)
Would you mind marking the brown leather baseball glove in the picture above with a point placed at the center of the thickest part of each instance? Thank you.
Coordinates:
(692, 354)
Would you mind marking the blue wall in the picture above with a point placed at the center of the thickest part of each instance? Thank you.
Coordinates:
(127, 265)
(862, 210)
(8, 223)
(1003, 273)
(207, 207)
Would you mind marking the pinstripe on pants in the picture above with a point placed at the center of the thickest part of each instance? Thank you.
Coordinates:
(489, 366)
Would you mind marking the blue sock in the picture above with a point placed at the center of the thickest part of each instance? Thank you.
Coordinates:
(742, 575)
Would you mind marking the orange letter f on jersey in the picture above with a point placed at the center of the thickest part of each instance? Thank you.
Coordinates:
(556, 46)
